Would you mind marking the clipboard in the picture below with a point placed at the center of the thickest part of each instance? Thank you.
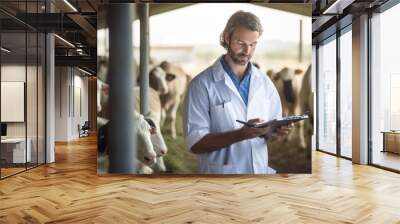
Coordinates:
(276, 123)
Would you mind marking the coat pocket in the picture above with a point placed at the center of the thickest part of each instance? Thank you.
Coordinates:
(220, 117)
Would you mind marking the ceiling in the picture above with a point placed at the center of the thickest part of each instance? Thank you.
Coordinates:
(330, 16)
(76, 22)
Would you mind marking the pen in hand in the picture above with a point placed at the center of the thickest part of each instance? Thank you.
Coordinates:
(245, 123)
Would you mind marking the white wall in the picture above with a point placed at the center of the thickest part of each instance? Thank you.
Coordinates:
(61, 103)
(33, 126)
(14, 73)
(80, 94)
(71, 93)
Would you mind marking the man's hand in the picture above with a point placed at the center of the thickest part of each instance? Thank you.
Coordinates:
(250, 132)
(215, 141)
(279, 132)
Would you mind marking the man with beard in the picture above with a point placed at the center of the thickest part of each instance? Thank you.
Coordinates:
(229, 90)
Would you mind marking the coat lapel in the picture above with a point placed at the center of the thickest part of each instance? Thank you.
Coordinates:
(256, 82)
(220, 75)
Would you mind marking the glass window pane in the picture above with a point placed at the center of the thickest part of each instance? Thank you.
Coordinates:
(13, 87)
(23, 90)
(327, 97)
(41, 99)
(346, 94)
(31, 97)
(386, 89)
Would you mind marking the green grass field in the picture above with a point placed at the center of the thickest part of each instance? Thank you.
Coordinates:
(178, 159)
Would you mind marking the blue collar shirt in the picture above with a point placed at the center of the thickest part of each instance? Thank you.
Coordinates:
(243, 85)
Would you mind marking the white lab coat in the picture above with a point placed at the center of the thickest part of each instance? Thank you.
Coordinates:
(213, 104)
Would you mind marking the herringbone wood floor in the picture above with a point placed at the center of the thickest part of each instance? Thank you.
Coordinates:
(70, 191)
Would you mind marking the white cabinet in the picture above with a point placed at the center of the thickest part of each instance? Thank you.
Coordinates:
(17, 145)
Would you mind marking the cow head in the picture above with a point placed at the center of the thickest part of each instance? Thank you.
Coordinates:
(157, 139)
(168, 68)
(145, 147)
(287, 75)
(158, 80)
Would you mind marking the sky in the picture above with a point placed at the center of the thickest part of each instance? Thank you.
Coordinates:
(201, 24)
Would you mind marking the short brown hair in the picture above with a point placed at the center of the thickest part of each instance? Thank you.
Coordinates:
(244, 19)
